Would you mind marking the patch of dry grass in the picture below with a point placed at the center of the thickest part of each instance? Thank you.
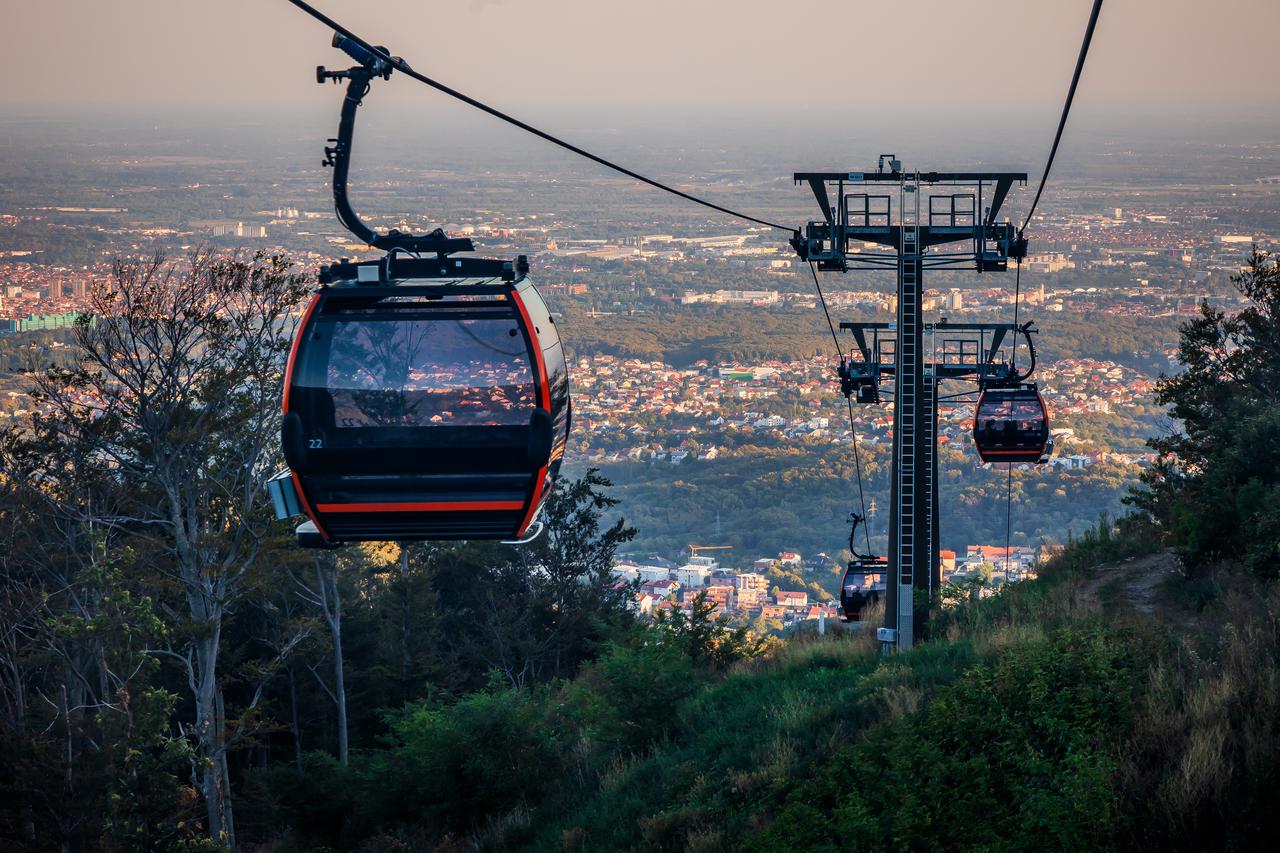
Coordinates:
(1205, 757)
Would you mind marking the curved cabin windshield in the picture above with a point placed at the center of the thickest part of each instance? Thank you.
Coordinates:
(423, 373)
(1018, 415)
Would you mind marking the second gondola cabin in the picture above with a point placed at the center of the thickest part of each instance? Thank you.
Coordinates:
(424, 408)
(862, 585)
(1011, 425)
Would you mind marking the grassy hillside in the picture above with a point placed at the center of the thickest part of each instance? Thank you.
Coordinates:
(1116, 706)
(1102, 707)
(826, 745)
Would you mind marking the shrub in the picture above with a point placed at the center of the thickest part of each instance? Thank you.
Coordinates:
(707, 639)
(455, 768)
(1019, 753)
(628, 699)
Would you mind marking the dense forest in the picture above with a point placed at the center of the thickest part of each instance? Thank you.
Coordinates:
(176, 675)
(162, 639)
(683, 334)
(797, 498)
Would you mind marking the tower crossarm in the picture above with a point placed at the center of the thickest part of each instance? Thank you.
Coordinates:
(860, 229)
(975, 351)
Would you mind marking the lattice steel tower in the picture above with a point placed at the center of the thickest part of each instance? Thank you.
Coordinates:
(961, 208)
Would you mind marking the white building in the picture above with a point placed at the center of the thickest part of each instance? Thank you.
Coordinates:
(693, 576)
(625, 571)
(653, 573)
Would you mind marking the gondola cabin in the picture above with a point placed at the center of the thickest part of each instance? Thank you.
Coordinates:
(1011, 425)
(424, 409)
(861, 586)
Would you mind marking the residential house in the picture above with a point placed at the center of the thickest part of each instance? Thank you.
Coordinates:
(721, 596)
(792, 598)
(660, 589)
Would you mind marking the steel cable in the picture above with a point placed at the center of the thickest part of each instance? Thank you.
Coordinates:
(403, 67)
(1066, 108)
(853, 431)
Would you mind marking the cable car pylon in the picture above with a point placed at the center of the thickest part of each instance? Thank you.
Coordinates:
(934, 211)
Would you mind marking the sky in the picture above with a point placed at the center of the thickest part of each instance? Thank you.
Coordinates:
(572, 57)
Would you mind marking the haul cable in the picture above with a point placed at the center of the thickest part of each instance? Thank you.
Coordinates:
(853, 430)
(1044, 178)
(1066, 108)
(403, 67)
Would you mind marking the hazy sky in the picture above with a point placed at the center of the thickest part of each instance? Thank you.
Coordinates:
(760, 57)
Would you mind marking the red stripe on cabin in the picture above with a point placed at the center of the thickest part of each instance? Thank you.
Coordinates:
(284, 407)
(293, 351)
(533, 504)
(544, 384)
(428, 506)
(306, 504)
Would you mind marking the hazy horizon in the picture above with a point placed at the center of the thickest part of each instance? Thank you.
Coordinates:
(743, 58)
(703, 95)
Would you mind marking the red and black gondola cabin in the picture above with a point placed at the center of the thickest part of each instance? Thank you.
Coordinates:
(424, 410)
(1011, 425)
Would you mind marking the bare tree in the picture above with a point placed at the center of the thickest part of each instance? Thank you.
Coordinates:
(325, 597)
(178, 393)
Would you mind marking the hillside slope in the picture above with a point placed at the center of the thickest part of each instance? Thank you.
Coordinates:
(1111, 706)
(1073, 711)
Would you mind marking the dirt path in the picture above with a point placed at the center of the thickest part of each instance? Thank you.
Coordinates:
(1132, 584)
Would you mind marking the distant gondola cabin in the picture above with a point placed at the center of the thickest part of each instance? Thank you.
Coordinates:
(862, 585)
(1011, 425)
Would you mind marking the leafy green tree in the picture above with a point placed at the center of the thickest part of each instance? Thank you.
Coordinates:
(148, 806)
(629, 696)
(1216, 486)
(88, 757)
(705, 638)
(537, 611)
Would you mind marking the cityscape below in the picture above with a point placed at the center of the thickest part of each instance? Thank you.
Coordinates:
(696, 346)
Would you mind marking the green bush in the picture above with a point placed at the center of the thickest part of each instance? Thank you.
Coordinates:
(455, 768)
(1019, 753)
(627, 699)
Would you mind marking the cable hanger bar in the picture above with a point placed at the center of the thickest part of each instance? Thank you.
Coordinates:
(403, 67)
(1066, 108)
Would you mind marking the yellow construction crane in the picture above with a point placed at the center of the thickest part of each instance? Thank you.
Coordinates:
(694, 549)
